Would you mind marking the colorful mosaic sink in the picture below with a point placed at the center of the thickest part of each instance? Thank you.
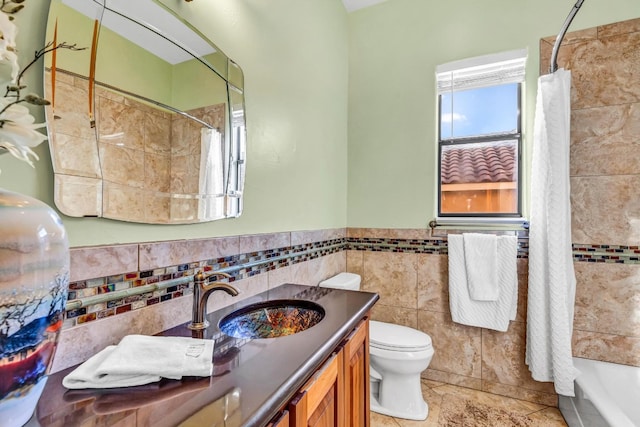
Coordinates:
(271, 319)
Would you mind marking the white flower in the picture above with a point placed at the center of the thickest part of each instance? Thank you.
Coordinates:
(8, 31)
(18, 132)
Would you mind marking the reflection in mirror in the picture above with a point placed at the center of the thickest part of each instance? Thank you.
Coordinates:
(148, 126)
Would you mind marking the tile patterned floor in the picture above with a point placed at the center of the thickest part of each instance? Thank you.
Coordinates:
(433, 392)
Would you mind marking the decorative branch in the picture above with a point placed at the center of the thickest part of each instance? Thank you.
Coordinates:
(39, 54)
(15, 88)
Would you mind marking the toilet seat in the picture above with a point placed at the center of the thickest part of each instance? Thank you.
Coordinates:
(391, 337)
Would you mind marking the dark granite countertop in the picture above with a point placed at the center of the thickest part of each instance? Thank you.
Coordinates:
(252, 378)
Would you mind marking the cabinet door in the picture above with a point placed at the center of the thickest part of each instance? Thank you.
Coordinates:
(320, 402)
(356, 376)
(280, 420)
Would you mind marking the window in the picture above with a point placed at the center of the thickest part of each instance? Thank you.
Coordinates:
(480, 136)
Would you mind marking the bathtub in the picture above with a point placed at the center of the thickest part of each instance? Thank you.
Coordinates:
(607, 395)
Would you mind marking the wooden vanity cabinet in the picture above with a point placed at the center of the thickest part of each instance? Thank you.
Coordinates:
(337, 395)
(356, 376)
(320, 402)
(280, 420)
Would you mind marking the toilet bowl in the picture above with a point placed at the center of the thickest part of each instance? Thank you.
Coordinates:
(398, 354)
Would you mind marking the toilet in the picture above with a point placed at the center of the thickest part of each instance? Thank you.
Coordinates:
(398, 354)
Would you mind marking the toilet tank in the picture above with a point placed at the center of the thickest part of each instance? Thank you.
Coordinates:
(346, 281)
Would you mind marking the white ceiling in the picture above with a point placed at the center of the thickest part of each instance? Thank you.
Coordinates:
(352, 5)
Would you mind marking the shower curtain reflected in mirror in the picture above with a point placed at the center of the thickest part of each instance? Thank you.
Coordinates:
(211, 181)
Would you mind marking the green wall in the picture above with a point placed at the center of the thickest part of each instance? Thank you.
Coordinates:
(294, 57)
(394, 48)
(117, 61)
(308, 68)
(195, 85)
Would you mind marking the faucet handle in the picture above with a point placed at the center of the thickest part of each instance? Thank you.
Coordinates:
(201, 277)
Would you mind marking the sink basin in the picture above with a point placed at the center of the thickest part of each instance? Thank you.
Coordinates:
(270, 319)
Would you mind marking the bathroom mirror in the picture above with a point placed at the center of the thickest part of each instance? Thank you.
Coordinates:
(146, 124)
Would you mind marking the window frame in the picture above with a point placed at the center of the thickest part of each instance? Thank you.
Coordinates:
(516, 135)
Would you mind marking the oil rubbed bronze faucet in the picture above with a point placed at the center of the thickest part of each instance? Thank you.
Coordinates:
(201, 291)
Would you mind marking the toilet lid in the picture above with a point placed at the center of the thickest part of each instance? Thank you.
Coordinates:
(388, 336)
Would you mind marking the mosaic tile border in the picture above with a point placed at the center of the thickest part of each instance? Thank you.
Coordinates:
(606, 253)
(102, 297)
(417, 246)
(581, 252)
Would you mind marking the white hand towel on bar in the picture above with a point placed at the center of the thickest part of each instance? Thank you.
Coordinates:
(480, 260)
(141, 359)
(484, 314)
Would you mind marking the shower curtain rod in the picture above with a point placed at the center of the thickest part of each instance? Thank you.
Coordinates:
(553, 66)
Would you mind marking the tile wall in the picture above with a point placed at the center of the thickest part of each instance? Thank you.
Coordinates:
(146, 288)
(413, 287)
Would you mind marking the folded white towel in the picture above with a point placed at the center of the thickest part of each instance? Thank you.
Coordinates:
(141, 359)
(484, 314)
(480, 260)
(508, 270)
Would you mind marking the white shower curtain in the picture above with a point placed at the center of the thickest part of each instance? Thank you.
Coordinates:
(211, 180)
(552, 280)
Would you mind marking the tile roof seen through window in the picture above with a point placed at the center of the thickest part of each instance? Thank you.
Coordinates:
(487, 163)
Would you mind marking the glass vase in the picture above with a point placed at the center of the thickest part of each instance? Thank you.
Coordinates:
(34, 280)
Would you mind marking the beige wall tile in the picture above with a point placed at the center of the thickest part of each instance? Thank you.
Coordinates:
(355, 262)
(78, 196)
(606, 347)
(74, 155)
(260, 242)
(523, 287)
(71, 108)
(120, 124)
(604, 140)
(356, 232)
(389, 233)
(304, 237)
(162, 254)
(608, 298)
(280, 276)
(157, 207)
(503, 355)
(605, 71)
(184, 174)
(605, 209)
(185, 137)
(157, 170)
(123, 202)
(457, 347)
(325, 267)
(300, 273)
(433, 282)
(393, 276)
(574, 37)
(157, 133)
(396, 315)
(88, 262)
(630, 26)
(122, 165)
